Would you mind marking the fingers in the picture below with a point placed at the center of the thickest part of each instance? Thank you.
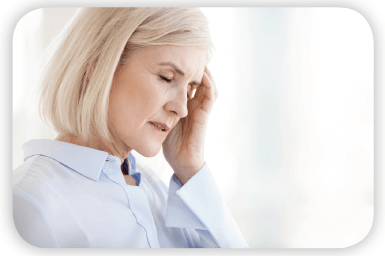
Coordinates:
(206, 93)
(200, 93)
(211, 92)
(216, 93)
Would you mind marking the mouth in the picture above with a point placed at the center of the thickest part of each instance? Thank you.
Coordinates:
(159, 126)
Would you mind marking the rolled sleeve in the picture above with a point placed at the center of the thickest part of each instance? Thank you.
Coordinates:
(198, 204)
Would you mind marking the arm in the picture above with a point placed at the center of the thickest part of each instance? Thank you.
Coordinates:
(31, 221)
(198, 207)
(194, 201)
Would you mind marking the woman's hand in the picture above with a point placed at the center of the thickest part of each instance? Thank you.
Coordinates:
(184, 146)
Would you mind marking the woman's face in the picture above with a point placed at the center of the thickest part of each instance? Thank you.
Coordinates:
(152, 87)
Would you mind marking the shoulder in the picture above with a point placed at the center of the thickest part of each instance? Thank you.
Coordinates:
(35, 168)
(37, 200)
(33, 193)
(21, 171)
(43, 178)
(33, 178)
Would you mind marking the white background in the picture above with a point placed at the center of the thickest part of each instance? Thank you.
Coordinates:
(370, 246)
(290, 140)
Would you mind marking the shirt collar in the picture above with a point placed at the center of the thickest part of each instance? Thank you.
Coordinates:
(87, 161)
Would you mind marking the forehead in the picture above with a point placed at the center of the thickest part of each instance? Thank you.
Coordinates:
(190, 59)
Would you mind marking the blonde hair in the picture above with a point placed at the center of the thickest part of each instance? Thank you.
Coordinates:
(77, 80)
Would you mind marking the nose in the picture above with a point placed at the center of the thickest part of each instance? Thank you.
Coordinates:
(178, 103)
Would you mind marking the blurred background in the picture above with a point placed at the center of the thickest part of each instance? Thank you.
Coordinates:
(290, 139)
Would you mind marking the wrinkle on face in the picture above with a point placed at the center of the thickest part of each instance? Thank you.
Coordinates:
(139, 95)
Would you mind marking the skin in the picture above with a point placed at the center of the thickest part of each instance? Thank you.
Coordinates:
(148, 88)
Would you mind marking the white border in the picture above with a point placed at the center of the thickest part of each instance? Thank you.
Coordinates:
(12, 11)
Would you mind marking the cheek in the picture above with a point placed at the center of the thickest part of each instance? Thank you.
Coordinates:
(136, 104)
(150, 95)
(116, 110)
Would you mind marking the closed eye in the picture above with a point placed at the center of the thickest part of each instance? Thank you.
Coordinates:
(165, 79)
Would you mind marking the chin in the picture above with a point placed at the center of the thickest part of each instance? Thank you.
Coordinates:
(149, 151)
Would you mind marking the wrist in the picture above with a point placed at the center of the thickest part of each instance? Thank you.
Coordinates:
(184, 174)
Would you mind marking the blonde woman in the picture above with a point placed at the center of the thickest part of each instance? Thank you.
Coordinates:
(123, 79)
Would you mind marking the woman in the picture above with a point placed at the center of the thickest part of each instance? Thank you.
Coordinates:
(123, 79)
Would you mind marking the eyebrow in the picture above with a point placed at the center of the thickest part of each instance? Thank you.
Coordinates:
(180, 72)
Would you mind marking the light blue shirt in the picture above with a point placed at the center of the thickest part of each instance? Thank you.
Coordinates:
(65, 195)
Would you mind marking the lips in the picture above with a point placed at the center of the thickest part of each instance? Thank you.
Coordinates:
(161, 126)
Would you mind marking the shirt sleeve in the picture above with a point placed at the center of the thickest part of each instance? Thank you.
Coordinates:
(198, 207)
(31, 221)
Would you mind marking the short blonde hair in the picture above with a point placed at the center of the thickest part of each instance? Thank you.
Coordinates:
(98, 40)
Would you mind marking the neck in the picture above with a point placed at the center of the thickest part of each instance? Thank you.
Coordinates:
(112, 148)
